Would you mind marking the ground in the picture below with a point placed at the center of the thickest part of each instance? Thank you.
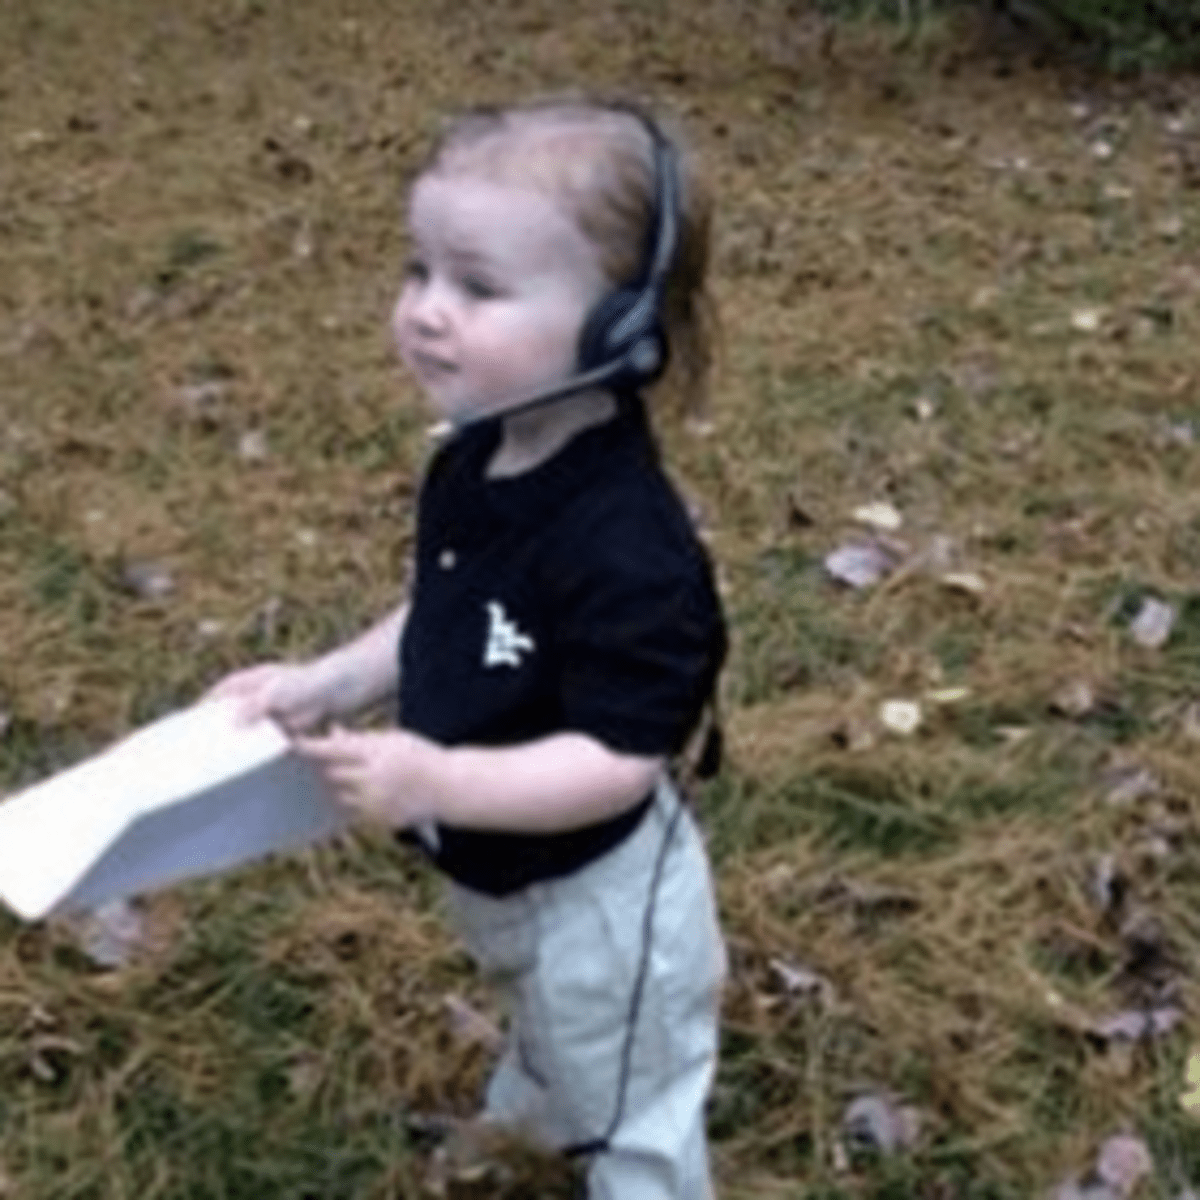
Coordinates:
(956, 284)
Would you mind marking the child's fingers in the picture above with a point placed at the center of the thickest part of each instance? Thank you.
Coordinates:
(338, 748)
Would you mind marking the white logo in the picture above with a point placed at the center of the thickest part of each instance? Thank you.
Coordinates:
(505, 642)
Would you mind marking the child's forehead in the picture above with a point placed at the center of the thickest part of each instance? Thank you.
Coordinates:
(563, 156)
(472, 202)
(472, 215)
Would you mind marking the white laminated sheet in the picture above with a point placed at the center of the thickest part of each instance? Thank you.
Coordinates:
(195, 793)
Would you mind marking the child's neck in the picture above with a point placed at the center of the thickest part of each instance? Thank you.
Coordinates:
(531, 438)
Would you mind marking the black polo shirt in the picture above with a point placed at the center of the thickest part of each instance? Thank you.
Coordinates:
(573, 597)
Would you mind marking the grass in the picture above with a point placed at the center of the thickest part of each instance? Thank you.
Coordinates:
(938, 290)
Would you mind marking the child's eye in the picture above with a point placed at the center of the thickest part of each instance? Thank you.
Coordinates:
(479, 289)
(416, 270)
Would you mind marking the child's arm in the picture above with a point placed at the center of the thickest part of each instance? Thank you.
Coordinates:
(303, 695)
(560, 782)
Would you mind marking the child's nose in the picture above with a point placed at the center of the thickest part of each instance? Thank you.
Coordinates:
(423, 307)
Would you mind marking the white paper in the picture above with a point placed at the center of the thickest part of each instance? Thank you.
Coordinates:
(192, 794)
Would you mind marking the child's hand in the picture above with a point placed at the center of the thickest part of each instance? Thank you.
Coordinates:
(386, 776)
(291, 693)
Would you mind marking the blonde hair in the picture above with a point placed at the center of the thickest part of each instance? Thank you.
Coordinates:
(597, 157)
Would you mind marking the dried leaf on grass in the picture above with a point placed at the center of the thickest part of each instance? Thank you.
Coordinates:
(123, 932)
(1076, 698)
(1123, 1162)
(877, 1122)
(252, 446)
(798, 980)
(901, 717)
(470, 1026)
(879, 515)
(147, 580)
(1189, 1100)
(1152, 624)
(202, 403)
(1125, 783)
(111, 934)
(1135, 1025)
(1107, 884)
(966, 582)
(860, 564)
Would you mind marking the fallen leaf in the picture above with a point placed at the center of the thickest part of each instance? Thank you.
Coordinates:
(880, 515)
(964, 581)
(305, 1074)
(860, 565)
(1086, 320)
(1127, 783)
(50, 1070)
(1190, 1100)
(1152, 625)
(924, 409)
(1169, 228)
(1134, 1025)
(1073, 699)
(111, 934)
(839, 1157)
(901, 717)
(1107, 884)
(470, 1026)
(147, 580)
(252, 446)
(801, 981)
(1013, 735)
(202, 402)
(1190, 722)
(876, 1122)
(1124, 1161)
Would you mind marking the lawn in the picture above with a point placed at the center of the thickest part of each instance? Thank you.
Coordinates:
(958, 833)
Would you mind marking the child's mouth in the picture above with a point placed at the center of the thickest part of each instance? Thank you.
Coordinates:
(427, 366)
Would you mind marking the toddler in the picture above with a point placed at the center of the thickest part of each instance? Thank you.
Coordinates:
(563, 635)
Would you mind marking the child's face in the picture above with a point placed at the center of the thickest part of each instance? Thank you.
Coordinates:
(495, 294)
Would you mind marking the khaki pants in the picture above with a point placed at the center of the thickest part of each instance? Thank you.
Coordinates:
(567, 955)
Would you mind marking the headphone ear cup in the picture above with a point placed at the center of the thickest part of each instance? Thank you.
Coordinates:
(624, 326)
(596, 348)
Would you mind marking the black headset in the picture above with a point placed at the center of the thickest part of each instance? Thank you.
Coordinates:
(623, 335)
(623, 342)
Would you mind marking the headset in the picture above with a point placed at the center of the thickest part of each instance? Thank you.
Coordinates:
(623, 343)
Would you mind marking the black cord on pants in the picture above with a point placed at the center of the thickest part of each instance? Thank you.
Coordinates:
(599, 1144)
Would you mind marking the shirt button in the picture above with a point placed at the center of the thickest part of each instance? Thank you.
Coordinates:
(447, 560)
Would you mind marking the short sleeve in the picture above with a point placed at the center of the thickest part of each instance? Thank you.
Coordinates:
(639, 636)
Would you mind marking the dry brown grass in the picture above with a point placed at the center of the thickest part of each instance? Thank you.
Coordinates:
(199, 243)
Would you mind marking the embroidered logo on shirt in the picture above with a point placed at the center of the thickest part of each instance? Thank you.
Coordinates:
(505, 642)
